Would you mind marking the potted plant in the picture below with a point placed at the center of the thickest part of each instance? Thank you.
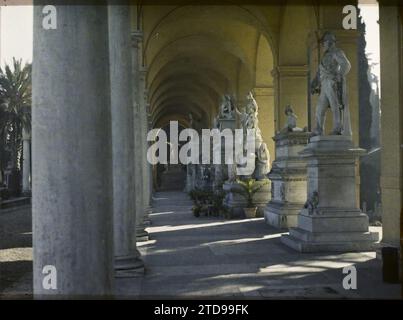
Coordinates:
(217, 202)
(248, 190)
(201, 202)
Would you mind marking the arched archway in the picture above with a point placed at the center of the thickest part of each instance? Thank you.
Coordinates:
(195, 54)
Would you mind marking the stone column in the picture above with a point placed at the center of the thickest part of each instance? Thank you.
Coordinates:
(72, 158)
(347, 40)
(127, 257)
(26, 162)
(144, 131)
(141, 233)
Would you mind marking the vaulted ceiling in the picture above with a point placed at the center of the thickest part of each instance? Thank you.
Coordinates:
(194, 54)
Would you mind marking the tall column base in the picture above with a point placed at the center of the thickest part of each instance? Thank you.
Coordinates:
(129, 266)
(26, 193)
(146, 219)
(141, 233)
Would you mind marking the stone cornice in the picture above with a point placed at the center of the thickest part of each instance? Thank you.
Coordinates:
(292, 138)
(263, 91)
(290, 71)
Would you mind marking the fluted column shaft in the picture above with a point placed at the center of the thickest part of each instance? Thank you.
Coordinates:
(127, 259)
(142, 234)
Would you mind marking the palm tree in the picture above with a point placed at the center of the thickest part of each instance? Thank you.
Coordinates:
(15, 110)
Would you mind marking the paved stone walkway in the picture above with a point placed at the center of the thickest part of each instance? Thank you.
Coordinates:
(16, 252)
(189, 257)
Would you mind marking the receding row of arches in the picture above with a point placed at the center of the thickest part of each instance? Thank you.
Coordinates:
(194, 54)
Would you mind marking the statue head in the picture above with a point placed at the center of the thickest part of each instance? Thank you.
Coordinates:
(289, 110)
(227, 107)
(328, 40)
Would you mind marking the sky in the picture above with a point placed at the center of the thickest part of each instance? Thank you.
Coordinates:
(16, 32)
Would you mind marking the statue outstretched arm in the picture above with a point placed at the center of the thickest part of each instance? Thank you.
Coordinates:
(239, 113)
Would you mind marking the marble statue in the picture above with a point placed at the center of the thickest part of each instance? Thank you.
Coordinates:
(249, 120)
(312, 203)
(262, 166)
(227, 109)
(330, 84)
(255, 160)
(248, 117)
(252, 108)
(243, 117)
(291, 123)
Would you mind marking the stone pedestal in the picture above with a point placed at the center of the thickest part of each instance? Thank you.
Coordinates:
(262, 197)
(227, 123)
(236, 201)
(331, 219)
(288, 177)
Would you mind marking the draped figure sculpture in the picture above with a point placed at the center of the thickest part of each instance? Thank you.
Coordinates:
(249, 120)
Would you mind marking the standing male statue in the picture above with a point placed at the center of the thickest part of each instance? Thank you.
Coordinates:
(330, 84)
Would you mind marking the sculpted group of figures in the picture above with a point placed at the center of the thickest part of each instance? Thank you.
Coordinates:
(248, 119)
(329, 83)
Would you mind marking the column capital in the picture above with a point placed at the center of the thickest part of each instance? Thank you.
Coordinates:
(143, 72)
(136, 37)
(290, 71)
